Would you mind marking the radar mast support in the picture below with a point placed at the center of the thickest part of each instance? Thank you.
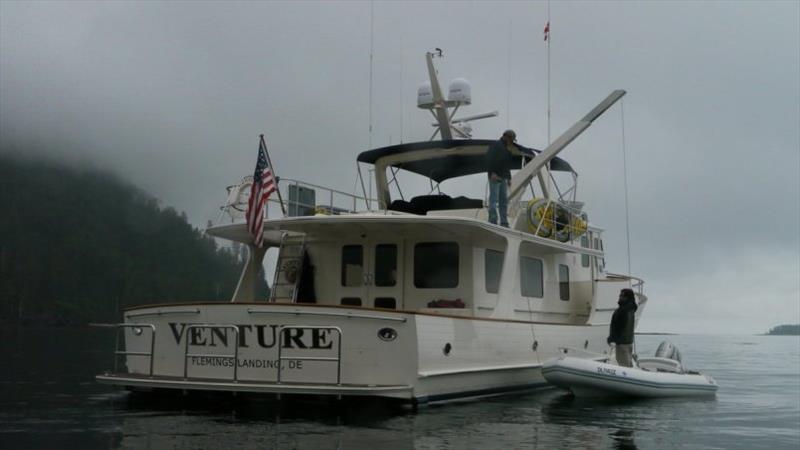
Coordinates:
(438, 99)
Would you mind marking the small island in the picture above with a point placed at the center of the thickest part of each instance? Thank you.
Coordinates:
(785, 330)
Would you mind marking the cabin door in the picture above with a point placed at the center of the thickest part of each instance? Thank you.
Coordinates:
(372, 274)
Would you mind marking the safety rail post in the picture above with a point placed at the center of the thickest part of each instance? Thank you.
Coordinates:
(338, 357)
(235, 355)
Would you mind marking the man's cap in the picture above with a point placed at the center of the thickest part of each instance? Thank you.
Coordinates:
(510, 133)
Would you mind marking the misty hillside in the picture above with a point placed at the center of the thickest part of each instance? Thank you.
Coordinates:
(79, 246)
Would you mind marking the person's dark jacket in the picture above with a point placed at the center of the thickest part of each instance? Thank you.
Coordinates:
(499, 160)
(622, 322)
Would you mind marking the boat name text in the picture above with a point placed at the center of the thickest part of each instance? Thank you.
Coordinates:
(262, 335)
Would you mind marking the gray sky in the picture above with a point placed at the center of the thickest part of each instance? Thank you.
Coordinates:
(173, 97)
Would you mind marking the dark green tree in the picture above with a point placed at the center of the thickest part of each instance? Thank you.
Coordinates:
(80, 245)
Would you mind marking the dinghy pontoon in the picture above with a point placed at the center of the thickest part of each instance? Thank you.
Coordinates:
(660, 376)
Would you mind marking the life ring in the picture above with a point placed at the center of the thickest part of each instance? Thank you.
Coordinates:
(551, 219)
(540, 217)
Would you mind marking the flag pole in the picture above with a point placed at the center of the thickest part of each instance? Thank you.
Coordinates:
(263, 145)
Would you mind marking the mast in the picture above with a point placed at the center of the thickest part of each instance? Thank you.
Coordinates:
(439, 104)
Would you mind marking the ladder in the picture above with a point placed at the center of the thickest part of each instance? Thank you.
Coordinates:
(288, 269)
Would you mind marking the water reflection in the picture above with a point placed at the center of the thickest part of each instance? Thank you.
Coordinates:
(623, 439)
(203, 420)
(49, 399)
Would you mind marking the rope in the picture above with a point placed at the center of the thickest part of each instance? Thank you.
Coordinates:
(625, 179)
(533, 333)
(627, 216)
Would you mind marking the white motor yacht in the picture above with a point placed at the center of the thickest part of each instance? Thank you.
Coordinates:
(419, 299)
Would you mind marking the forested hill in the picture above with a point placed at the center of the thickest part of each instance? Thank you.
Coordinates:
(785, 330)
(79, 246)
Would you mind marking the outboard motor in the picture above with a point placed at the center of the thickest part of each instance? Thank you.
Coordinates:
(668, 350)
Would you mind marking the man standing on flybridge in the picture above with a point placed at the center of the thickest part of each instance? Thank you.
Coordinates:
(498, 167)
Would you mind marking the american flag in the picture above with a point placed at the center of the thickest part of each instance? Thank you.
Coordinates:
(263, 185)
(547, 31)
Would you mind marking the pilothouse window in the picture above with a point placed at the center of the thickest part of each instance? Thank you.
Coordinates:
(584, 257)
(531, 279)
(493, 268)
(563, 282)
(436, 265)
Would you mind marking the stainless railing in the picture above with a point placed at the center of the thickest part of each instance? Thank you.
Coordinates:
(338, 357)
(345, 199)
(134, 326)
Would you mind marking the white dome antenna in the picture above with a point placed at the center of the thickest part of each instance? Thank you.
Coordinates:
(425, 96)
(459, 92)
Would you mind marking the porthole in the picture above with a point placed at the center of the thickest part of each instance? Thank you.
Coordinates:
(387, 334)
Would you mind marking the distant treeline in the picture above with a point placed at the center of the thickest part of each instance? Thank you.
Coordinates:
(78, 246)
(785, 330)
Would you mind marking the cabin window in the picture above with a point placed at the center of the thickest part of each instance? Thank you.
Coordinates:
(385, 302)
(585, 257)
(351, 301)
(600, 262)
(531, 277)
(385, 265)
(493, 268)
(352, 265)
(436, 265)
(563, 282)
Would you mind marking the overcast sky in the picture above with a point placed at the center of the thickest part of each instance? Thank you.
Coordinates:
(173, 96)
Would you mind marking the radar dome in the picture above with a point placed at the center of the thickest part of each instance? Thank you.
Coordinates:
(460, 91)
(425, 96)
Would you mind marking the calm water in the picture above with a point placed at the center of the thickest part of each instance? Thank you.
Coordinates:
(48, 399)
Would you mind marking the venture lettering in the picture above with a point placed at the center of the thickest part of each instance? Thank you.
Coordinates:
(265, 336)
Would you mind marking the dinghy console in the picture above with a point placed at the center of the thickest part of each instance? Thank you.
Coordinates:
(667, 359)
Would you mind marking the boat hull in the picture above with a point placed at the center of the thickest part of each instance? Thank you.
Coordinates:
(318, 350)
(590, 378)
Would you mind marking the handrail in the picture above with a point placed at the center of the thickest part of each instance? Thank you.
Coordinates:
(638, 283)
(355, 198)
(117, 351)
(338, 357)
(161, 312)
(330, 314)
(235, 355)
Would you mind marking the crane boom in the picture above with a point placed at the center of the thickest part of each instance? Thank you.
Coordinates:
(523, 177)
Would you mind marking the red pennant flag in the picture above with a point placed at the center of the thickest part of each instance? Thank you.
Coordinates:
(547, 31)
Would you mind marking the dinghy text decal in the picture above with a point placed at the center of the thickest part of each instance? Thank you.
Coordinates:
(606, 371)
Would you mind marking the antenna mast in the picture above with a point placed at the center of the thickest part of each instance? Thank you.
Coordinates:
(371, 17)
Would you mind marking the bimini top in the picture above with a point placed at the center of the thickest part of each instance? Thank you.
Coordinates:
(441, 160)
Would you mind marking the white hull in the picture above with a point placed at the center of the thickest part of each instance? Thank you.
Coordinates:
(589, 378)
(485, 356)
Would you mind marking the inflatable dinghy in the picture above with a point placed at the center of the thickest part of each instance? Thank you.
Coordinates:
(661, 376)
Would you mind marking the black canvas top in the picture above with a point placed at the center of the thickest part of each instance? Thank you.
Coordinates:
(450, 166)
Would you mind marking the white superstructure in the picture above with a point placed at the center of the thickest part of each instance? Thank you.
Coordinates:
(419, 299)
